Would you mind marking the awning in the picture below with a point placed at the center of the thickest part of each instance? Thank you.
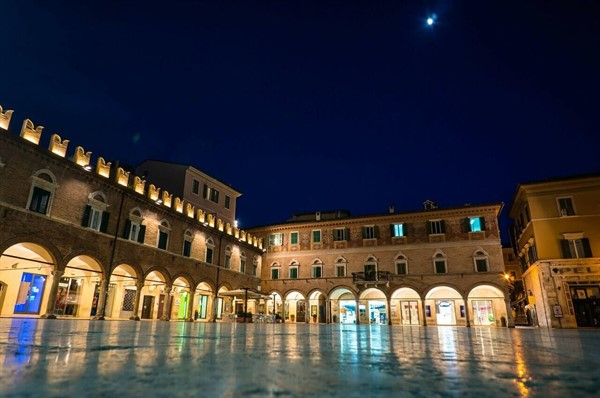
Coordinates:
(241, 294)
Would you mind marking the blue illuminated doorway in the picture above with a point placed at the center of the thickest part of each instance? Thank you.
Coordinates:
(31, 291)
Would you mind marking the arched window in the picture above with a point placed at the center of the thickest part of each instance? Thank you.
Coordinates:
(163, 234)
(210, 247)
(275, 268)
(480, 260)
(243, 262)
(134, 230)
(341, 267)
(439, 263)
(401, 264)
(294, 266)
(188, 237)
(371, 268)
(228, 257)
(317, 268)
(43, 186)
(255, 262)
(95, 215)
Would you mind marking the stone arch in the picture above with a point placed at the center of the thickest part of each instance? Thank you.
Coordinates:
(185, 276)
(162, 271)
(53, 256)
(94, 255)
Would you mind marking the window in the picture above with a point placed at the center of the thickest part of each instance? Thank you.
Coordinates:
(401, 265)
(527, 214)
(340, 234)
(294, 272)
(340, 267)
(436, 227)
(576, 248)
(187, 243)
(95, 215)
(275, 239)
(163, 235)
(316, 236)
(42, 190)
(480, 259)
(274, 273)
(243, 262)
(294, 238)
(211, 194)
(439, 263)
(476, 224)
(40, 198)
(210, 247)
(195, 186)
(317, 270)
(134, 230)
(227, 257)
(369, 232)
(227, 202)
(255, 266)
(397, 230)
(565, 207)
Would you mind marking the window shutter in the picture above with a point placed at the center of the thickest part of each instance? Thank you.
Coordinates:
(347, 234)
(104, 223)
(429, 227)
(205, 192)
(127, 229)
(566, 251)
(392, 230)
(376, 231)
(405, 229)
(85, 221)
(364, 232)
(466, 225)
(482, 222)
(443, 226)
(142, 234)
(587, 249)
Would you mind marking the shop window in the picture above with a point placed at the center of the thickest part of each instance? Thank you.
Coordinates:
(31, 291)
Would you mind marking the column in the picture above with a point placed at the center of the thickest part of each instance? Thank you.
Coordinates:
(190, 314)
(389, 311)
(510, 320)
(102, 299)
(424, 312)
(327, 311)
(136, 304)
(167, 309)
(56, 274)
(357, 313)
(466, 301)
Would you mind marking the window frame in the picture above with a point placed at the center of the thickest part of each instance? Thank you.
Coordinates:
(401, 260)
(273, 241)
(439, 257)
(297, 235)
(394, 230)
(195, 187)
(43, 185)
(436, 227)
(572, 207)
(164, 230)
(481, 255)
(312, 236)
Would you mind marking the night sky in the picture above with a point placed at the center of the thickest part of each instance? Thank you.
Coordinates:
(322, 105)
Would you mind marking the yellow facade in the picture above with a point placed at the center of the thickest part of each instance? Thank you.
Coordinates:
(557, 236)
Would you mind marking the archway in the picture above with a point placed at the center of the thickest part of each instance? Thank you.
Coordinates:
(487, 306)
(444, 306)
(295, 307)
(317, 303)
(405, 305)
(372, 307)
(25, 280)
(120, 297)
(202, 298)
(154, 297)
(343, 306)
(180, 299)
(275, 306)
(79, 288)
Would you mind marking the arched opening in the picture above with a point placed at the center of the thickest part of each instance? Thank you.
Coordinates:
(444, 306)
(120, 297)
(487, 306)
(180, 299)
(154, 296)
(275, 306)
(25, 279)
(372, 307)
(343, 306)
(405, 305)
(295, 307)
(202, 298)
(79, 288)
(317, 306)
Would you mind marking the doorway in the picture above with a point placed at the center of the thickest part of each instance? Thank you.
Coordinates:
(147, 307)
(445, 312)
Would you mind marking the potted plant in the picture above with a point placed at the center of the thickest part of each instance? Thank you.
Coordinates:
(244, 317)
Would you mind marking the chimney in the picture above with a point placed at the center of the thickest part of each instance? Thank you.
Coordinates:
(391, 209)
(429, 205)
(318, 216)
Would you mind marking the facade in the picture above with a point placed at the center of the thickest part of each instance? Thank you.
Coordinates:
(556, 234)
(430, 267)
(90, 240)
(193, 186)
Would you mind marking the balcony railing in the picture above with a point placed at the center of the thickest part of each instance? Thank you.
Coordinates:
(374, 276)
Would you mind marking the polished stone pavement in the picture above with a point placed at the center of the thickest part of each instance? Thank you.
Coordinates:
(68, 358)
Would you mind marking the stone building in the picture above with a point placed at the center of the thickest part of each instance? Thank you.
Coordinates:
(438, 266)
(81, 237)
(556, 234)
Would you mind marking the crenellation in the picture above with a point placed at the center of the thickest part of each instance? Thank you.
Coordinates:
(31, 133)
(122, 177)
(5, 117)
(103, 167)
(58, 146)
(139, 185)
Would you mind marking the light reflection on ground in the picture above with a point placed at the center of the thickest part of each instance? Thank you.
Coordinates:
(127, 358)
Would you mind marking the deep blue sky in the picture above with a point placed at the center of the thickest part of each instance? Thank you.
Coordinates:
(323, 105)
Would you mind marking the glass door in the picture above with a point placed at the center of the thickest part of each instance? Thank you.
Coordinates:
(31, 291)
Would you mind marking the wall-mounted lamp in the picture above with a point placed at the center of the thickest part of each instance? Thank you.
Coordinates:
(87, 167)
(159, 202)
